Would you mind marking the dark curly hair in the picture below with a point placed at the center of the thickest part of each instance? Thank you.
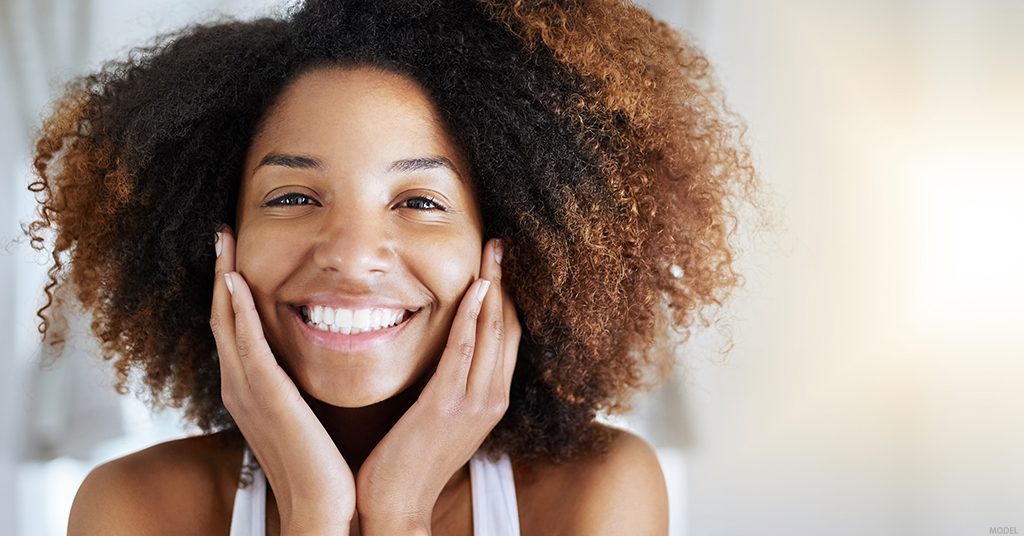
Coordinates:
(602, 154)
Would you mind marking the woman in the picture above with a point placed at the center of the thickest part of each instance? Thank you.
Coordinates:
(444, 236)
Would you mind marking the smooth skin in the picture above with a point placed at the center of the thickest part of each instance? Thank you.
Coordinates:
(353, 194)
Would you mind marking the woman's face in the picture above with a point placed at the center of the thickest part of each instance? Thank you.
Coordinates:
(356, 204)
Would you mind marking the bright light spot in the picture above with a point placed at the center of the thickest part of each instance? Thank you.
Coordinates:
(966, 242)
(985, 239)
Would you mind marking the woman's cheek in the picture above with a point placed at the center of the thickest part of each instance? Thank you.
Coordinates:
(461, 266)
(264, 268)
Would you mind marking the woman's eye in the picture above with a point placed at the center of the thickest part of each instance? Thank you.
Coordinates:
(291, 199)
(422, 203)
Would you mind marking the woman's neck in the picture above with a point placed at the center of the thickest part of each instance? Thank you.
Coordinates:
(356, 431)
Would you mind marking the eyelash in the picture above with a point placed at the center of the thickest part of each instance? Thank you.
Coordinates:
(419, 198)
(298, 199)
(288, 200)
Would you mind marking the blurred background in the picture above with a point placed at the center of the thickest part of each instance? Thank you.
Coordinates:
(876, 382)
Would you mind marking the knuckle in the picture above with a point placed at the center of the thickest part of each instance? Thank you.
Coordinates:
(492, 411)
(498, 329)
(496, 403)
(456, 348)
(464, 349)
(495, 411)
(244, 348)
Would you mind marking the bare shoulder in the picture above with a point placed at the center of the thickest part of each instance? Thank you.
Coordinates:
(620, 490)
(179, 487)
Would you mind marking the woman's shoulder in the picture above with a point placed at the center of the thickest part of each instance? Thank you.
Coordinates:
(619, 489)
(178, 487)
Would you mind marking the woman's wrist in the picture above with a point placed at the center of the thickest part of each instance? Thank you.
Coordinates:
(309, 529)
(314, 532)
(308, 525)
(388, 506)
(373, 523)
(316, 518)
(393, 527)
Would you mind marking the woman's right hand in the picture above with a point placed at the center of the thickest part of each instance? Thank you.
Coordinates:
(313, 485)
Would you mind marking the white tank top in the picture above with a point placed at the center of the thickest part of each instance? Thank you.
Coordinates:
(495, 511)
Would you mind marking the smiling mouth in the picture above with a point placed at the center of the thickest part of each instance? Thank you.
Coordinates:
(352, 321)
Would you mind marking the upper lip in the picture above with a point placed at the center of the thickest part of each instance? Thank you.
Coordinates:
(336, 301)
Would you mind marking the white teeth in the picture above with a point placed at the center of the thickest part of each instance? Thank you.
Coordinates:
(375, 319)
(361, 319)
(343, 318)
(351, 322)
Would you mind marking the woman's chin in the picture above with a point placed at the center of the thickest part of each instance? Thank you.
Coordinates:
(359, 390)
(352, 394)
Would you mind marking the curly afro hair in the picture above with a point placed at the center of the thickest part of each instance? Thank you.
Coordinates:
(603, 158)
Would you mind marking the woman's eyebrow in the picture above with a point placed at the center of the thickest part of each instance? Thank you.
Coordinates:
(291, 161)
(402, 166)
(417, 164)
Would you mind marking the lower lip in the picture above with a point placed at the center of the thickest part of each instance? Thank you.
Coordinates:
(340, 342)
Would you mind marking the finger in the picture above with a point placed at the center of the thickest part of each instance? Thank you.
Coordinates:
(453, 368)
(490, 330)
(513, 333)
(222, 317)
(253, 351)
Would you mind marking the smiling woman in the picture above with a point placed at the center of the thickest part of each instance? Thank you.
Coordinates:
(393, 257)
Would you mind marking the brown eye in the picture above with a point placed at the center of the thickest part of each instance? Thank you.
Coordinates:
(291, 199)
(422, 203)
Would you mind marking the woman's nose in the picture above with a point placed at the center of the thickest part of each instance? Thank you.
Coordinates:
(356, 244)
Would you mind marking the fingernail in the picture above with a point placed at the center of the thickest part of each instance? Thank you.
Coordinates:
(216, 244)
(497, 251)
(231, 287)
(481, 291)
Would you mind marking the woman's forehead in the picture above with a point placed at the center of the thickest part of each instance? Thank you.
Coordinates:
(359, 112)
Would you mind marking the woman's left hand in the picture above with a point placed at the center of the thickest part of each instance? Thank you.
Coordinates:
(400, 481)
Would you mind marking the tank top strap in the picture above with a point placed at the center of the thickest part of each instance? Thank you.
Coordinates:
(495, 509)
(249, 515)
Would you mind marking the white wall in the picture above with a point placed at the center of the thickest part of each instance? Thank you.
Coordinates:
(875, 386)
